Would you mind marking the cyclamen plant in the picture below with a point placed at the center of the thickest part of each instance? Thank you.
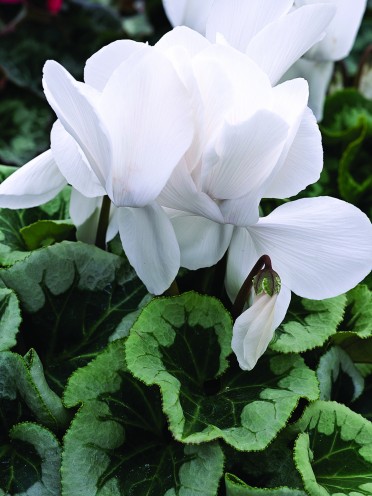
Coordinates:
(174, 147)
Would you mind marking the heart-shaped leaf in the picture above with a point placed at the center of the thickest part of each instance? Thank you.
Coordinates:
(118, 443)
(333, 451)
(10, 318)
(73, 297)
(181, 344)
(308, 324)
(30, 462)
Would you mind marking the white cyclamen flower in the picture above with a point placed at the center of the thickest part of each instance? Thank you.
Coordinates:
(319, 247)
(254, 141)
(270, 32)
(317, 64)
(120, 138)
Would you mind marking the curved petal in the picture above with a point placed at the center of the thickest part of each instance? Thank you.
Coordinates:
(150, 244)
(202, 242)
(302, 164)
(180, 45)
(341, 31)
(240, 20)
(149, 115)
(319, 75)
(84, 213)
(241, 257)
(100, 66)
(181, 194)
(254, 329)
(73, 164)
(192, 13)
(72, 102)
(35, 183)
(245, 156)
(247, 87)
(320, 247)
(276, 47)
(182, 36)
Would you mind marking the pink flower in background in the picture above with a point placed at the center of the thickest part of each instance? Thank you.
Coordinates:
(54, 6)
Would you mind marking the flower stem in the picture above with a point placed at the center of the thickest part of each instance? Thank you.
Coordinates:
(103, 223)
(243, 294)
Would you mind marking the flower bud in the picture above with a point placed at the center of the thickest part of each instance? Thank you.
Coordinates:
(267, 281)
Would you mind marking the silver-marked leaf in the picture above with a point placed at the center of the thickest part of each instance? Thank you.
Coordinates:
(358, 316)
(30, 462)
(118, 443)
(10, 318)
(73, 296)
(236, 487)
(271, 471)
(13, 246)
(333, 451)
(363, 405)
(181, 345)
(25, 394)
(308, 324)
(338, 377)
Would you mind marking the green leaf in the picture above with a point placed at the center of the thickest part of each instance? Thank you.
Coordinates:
(358, 315)
(118, 443)
(308, 324)
(12, 243)
(25, 125)
(47, 232)
(236, 487)
(345, 113)
(73, 297)
(30, 462)
(338, 377)
(350, 189)
(263, 472)
(181, 344)
(25, 394)
(333, 451)
(10, 318)
(363, 405)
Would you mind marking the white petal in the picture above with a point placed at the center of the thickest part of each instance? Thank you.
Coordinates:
(84, 213)
(254, 329)
(180, 45)
(181, 194)
(100, 66)
(240, 20)
(73, 164)
(341, 31)
(247, 87)
(191, 13)
(35, 183)
(150, 244)
(246, 155)
(241, 258)
(303, 162)
(202, 242)
(276, 47)
(318, 74)
(320, 247)
(184, 37)
(72, 102)
(149, 115)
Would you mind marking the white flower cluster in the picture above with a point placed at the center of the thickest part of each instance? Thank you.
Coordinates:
(186, 138)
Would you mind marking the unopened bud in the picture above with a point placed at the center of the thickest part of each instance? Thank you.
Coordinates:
(267, 281)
